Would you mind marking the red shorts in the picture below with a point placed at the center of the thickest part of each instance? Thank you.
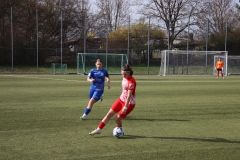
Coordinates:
(118, 105)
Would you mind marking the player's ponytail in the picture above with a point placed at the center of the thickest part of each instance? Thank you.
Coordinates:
(127, 67)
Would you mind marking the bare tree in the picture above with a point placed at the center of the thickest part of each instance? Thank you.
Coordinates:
(172, 15)
(115, 12)
(5, 20)
(218, 13)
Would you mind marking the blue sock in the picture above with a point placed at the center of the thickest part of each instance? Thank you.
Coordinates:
(86, 111)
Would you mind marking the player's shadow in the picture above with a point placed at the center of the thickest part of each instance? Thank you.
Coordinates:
(222, 140)
(147, 119)
(154, 119)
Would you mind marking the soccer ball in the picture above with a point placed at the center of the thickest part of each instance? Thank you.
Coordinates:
(118, 132)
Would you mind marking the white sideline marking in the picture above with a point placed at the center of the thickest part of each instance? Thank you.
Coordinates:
(55, 79)
(155, 81)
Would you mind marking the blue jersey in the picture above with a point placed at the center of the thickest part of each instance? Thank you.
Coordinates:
(99, 76)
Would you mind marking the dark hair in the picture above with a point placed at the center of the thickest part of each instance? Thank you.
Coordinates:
(126, 67)
(98, 60)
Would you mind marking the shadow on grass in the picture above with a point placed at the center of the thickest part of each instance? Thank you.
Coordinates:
(222, 140)
(148, 119)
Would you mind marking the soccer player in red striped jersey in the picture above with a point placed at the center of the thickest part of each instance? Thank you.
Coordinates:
(124, 104)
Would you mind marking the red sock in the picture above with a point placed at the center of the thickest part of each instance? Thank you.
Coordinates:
(101, 125)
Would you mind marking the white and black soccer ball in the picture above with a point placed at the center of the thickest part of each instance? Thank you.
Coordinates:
(118, 132)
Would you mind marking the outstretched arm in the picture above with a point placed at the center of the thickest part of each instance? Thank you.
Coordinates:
(90, 79)
(108, 81)
(127, 101)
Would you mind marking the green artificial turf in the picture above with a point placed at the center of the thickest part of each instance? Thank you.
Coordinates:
(176, 117)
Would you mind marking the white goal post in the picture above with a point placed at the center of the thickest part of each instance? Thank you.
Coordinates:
(182, 62)
(111, 61)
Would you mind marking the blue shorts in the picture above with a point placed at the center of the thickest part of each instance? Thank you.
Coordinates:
(96, 95)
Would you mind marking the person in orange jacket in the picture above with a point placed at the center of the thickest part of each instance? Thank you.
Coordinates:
(219, 67)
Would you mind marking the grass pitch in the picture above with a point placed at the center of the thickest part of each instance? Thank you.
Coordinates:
(182, 117)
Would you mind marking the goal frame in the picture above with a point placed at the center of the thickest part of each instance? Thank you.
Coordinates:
(111, 61)
(233, 65)
(58, 68)
(183, 62)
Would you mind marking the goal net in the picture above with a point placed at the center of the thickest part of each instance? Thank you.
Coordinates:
(233, 65)
(181, 62)
(112, 62)
(57, 68)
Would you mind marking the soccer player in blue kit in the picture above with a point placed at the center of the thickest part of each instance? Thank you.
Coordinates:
(97, 77)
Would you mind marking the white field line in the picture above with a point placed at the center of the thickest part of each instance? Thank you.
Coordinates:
(138, 81)
(54, 79)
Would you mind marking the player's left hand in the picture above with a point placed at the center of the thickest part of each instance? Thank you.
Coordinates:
(124, 110)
